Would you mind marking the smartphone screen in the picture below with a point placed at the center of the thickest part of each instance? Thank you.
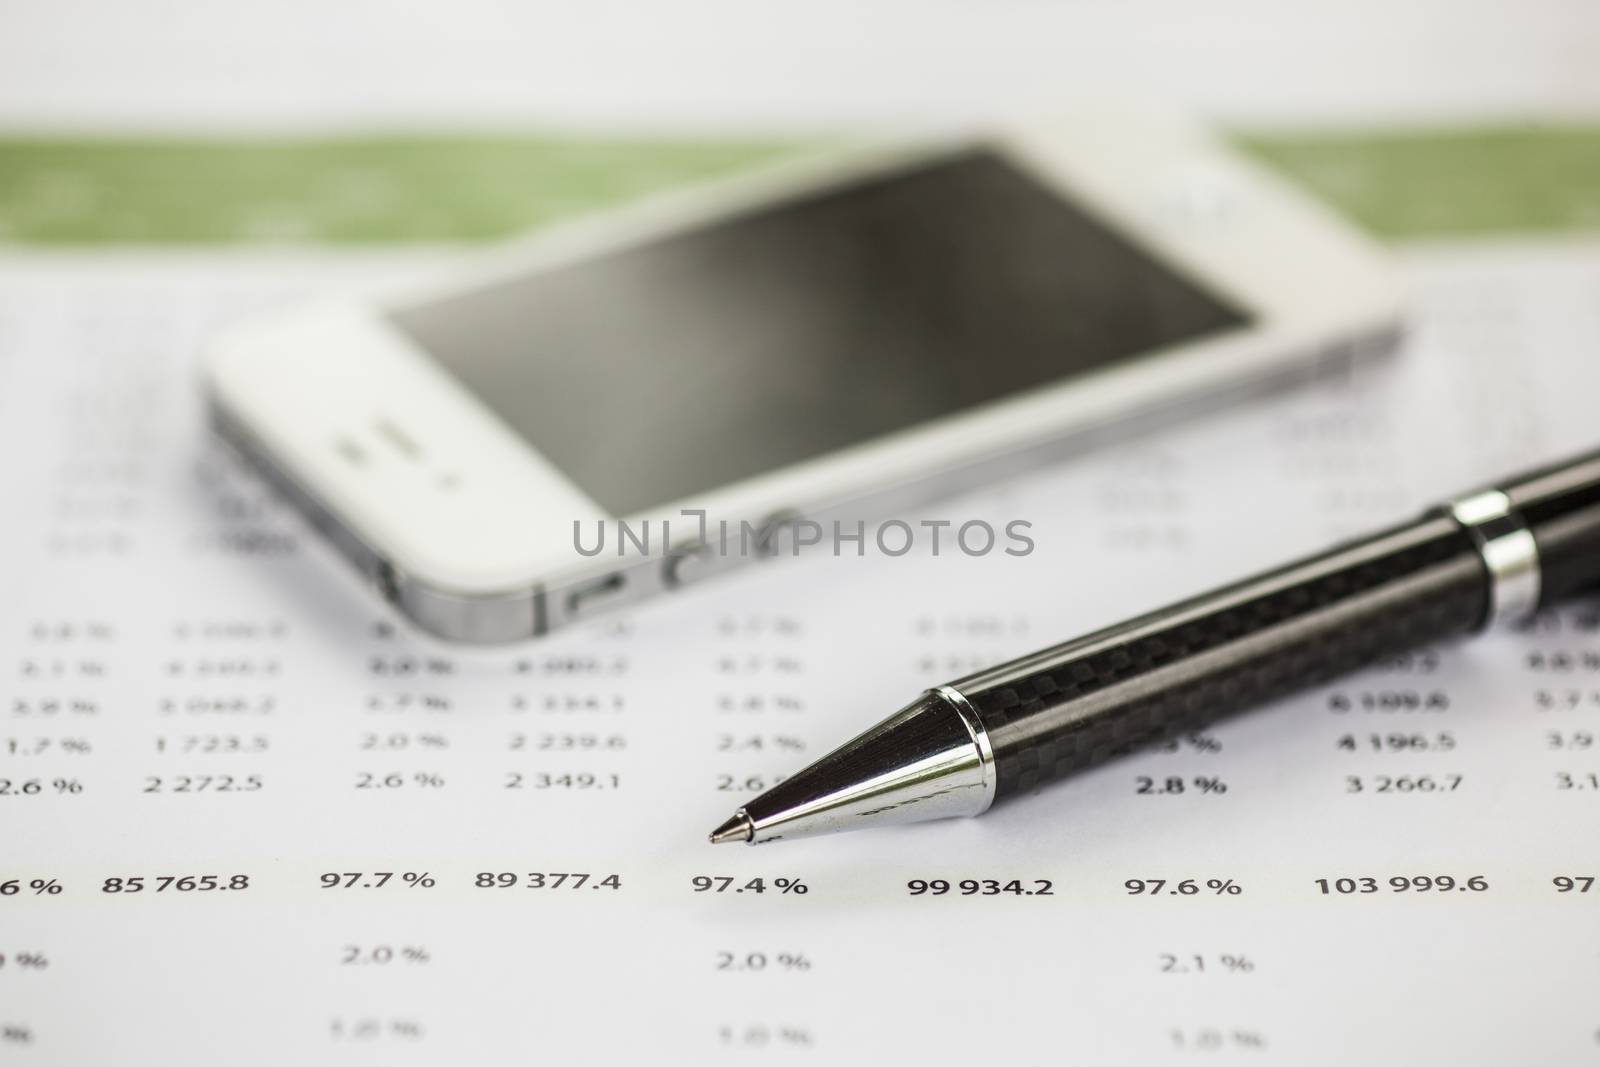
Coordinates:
(656, 373)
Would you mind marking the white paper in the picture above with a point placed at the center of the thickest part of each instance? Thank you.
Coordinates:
(166, 619)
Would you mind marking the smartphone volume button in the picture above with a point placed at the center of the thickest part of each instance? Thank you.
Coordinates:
(684, 564)
(592, 595)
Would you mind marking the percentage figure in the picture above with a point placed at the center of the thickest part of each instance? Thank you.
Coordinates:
(383, 954)
(1193, 743)
(26, 961)
(1177, 786)
(373, 1029)
(1173, 963)
(397, 780)
(722, 883)
(755, 962)
(1214, 1039)
(759, 1036)
(32, 787)
(44, 886)
(374, 879)
(1187, 887)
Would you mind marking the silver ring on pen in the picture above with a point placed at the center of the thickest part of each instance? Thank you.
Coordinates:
(1509, 552)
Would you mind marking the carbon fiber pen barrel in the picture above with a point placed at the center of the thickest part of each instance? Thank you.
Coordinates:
(1561, 506)
(1171, 672)
(1179, 669)
(1489, 556)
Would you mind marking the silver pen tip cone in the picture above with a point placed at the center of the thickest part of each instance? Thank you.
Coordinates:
(737, 828)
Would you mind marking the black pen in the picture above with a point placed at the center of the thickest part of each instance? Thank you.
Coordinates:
(1482, 559)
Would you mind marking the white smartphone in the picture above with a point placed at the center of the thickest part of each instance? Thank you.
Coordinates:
(908, 318)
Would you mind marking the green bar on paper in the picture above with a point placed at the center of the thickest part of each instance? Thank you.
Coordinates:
(352, 190)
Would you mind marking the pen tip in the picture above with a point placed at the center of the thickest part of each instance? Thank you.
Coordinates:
(737, 828)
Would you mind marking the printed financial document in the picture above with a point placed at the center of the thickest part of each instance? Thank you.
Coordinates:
(248, 817)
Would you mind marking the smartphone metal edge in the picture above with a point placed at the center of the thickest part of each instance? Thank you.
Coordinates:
(537, 609)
